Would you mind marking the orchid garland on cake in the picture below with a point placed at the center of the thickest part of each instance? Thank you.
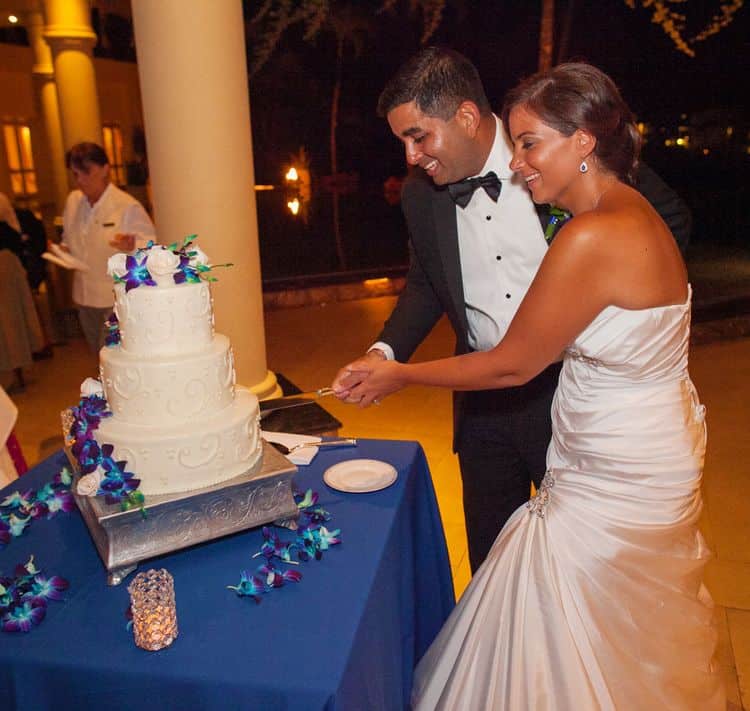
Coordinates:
(101, 474)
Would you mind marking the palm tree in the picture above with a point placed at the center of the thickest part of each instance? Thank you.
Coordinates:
(351, 27)
(546, 35)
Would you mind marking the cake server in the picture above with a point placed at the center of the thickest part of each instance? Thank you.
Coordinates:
(343, 442)
(282, 403)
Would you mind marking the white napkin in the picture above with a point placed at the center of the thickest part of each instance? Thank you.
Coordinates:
(303, 455)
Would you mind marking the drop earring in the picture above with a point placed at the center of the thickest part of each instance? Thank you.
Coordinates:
(584, 166)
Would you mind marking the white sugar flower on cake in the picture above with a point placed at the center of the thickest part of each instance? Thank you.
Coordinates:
(88, 484)
(198, 256)
(91, 386)
(162, 264)
(116, 265)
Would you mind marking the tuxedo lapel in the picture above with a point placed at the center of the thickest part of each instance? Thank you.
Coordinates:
(446, 228)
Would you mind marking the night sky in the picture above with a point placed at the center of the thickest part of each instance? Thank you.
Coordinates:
(501, 37)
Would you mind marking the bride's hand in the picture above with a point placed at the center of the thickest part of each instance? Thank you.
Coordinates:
(377, 380)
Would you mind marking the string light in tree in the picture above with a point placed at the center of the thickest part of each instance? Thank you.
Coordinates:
(674, 23)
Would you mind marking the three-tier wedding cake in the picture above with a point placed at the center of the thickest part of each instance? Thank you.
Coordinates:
(178, 420)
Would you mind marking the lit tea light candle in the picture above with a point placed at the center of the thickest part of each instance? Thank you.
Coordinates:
(152, 603)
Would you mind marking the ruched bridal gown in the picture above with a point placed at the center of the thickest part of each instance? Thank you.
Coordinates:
(591, 597)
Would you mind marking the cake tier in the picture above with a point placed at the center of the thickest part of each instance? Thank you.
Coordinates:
(168, 390)
(191, 456)
(164, 320)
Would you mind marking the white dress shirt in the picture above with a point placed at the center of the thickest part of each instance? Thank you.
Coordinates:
(501, 245)
(87, 231)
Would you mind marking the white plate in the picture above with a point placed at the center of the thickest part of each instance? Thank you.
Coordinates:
(359, 476)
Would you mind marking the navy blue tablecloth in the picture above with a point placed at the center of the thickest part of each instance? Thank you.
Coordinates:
(346, 637)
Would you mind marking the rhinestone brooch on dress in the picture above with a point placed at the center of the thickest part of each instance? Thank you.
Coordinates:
(577, 355)
(538, 504)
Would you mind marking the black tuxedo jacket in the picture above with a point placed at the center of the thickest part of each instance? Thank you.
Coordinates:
(433, 285)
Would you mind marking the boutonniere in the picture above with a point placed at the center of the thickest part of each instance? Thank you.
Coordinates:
(557, 218)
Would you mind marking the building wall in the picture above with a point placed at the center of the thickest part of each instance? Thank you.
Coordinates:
(119, 103)
(17, 103)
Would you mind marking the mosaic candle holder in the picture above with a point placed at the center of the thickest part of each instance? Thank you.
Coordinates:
(67, 419)
(153, 606)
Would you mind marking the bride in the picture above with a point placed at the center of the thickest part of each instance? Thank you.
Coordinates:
(591, 597)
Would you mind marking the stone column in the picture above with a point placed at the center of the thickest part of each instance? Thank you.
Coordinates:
(69, 34)
(193, 76)
(46, 95)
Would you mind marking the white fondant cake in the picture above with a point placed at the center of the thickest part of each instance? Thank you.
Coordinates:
(178, 420)
(165, 319)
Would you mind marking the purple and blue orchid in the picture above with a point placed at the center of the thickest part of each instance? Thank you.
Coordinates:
(273, 547)
(44, 588)
(19, 509)
(266, 578)
(112, 331)
(21, 618)
(136, 271)
(24, 597)
(311, 540)
(87, 415)
(186, 274)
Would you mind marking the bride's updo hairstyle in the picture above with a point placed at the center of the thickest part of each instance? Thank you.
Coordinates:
(577, 95)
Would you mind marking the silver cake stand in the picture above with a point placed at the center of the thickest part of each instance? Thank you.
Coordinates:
(262, 494)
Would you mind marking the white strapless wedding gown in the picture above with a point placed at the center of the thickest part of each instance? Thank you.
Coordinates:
(591, 597)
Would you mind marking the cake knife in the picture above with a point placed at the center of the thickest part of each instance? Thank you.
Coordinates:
(282, 403)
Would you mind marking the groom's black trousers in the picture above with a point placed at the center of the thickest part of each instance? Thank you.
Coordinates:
(502, 446)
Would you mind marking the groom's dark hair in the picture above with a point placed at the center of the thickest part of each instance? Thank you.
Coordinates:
(437, 80)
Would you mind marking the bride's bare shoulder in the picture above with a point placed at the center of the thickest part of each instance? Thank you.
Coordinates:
(621, 221)
(624, 236)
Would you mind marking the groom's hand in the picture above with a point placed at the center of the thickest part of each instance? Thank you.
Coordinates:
(377, 380)
(347, 378)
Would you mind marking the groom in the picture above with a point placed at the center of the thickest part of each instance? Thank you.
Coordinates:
(474, 250)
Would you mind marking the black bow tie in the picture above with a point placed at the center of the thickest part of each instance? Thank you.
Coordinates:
(462, 191)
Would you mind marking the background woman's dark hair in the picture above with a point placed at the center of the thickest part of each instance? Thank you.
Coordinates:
(82, 153)
(578, 95)
(437, 80)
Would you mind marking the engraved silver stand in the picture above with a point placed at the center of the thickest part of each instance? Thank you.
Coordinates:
(173, 521)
